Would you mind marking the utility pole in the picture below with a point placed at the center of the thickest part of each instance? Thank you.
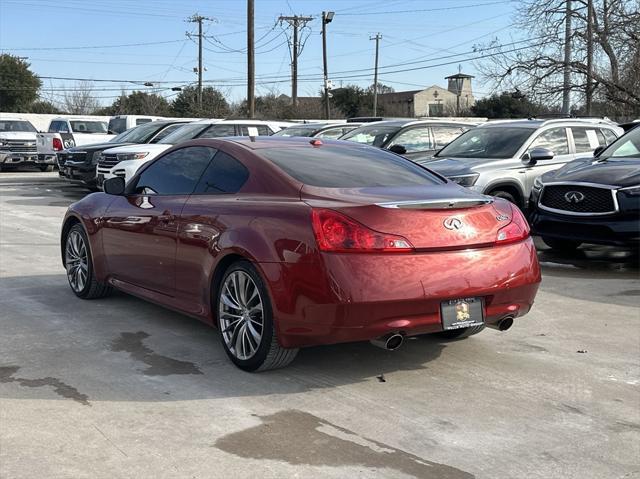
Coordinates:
(327, 17)
(199, 19)
(251, 72)
(589, 92)
(566, 88)
(296, 22)
(377, 38)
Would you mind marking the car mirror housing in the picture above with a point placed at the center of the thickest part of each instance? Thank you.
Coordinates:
(114, 186)
(399, 149)
(536, 155)
(597, 151)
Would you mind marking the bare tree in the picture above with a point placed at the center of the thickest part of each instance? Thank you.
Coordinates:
(537, 67)
(80, 101)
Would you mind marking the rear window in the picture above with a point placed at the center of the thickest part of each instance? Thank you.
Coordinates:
(81, 126)
(117, 125)
(332, 166)
(11, 125)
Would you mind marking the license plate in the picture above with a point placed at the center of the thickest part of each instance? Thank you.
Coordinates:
(462, 313)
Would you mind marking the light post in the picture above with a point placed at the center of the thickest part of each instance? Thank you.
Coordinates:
(327, 17)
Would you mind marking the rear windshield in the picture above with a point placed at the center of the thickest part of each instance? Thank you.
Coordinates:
(493, 143)
(296, 131)
(117, 125)
(184, 133)
(10, 125)
(374, 135)
(332, 166)
(82, 126)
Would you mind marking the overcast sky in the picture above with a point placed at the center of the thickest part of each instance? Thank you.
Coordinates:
(429, 37)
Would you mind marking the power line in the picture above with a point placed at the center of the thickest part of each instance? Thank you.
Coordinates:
(92, 47)
(439, 9)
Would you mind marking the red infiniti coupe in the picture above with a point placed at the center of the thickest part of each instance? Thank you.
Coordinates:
(289, 242)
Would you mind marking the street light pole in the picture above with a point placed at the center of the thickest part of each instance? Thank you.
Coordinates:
(375, 75)
(327, 17)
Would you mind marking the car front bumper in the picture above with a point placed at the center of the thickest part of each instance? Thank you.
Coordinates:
(79, 172)
(17, 158)
(361, 297)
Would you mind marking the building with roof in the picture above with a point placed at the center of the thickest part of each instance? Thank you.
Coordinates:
(432, 101)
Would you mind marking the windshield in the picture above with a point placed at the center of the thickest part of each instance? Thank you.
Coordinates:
(372, 135)
(10, 125)
(491, 142)
(627, 146)
(138, 134)
(184, 133)
(81, 126)
(354, 167)
(296, 131)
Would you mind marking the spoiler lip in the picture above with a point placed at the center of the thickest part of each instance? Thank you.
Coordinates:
(436, 203)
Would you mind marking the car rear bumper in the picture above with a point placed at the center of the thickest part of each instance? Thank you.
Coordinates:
(360, 297)
(17, 158)
(621, 229)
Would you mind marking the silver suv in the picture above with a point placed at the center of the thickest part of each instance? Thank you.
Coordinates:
(503, 158)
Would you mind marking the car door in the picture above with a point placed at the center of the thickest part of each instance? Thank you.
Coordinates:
(416, 140)
(555, 139)
(140, 229)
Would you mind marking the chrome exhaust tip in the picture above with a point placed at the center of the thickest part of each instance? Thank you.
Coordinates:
(502, 325)
(390, 342)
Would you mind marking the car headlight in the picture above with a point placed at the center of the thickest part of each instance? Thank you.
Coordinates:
(465, 180)
(537, 184)
(131, 156)
(631, 190)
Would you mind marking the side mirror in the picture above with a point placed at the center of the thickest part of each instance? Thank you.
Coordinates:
(399, 149)
(536, 155)
(597, 151)
(114, 186)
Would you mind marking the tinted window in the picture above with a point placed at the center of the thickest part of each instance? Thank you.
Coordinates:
(117, 125)
(166, 132)
(10, 125)
(372, 135)
(491, 142)
(554, 139)
(334, 166)
(88, 126)
(224, 174)
(139, 134)
(585, 139)
(141, 121)
(627, 146)
(58, 127)
(184, 133)
(414, 139)
(443, 135)
(263, 130)
(217, 131)
(176, 173)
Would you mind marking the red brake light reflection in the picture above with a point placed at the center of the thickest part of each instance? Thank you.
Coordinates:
(338, 233)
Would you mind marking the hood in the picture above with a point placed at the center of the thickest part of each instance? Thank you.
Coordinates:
(17, 135)
(136, 148)
(96, 147)
(620, 172)
(450, 166)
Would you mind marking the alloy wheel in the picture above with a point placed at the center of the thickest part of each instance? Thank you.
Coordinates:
(76, 261)
(241, 315)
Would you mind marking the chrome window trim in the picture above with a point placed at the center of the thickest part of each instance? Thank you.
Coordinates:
(612, 188)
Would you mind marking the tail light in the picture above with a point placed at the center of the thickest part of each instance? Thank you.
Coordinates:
(57, 144)
(516, 230)
(338, 233)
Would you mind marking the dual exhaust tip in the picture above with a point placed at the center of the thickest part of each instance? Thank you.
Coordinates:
(393, 341)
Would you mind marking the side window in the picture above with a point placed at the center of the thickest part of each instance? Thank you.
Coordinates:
(609, 135)
(140, 121)
(263, 130)
(443, 135)
(415, 139)
(58, 127)
(176, 173)
(332, 134)
(170, 129)
(585, 139)
(225, 174)
(554, 139)
(217, 131)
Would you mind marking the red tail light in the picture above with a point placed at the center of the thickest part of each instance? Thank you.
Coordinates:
(57, 144)
(517, 230)
(338, 233)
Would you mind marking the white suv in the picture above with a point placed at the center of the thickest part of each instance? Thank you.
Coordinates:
(125, 161)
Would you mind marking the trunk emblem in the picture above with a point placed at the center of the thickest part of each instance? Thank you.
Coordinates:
(452, 223)
(573, 197)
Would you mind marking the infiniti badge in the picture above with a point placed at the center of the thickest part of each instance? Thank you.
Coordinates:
(452, 223)
(573, 197)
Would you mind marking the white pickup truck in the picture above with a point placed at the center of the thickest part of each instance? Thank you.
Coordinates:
(66, 133)
(17, 143)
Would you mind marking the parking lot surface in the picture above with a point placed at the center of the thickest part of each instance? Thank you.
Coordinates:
(119, 388)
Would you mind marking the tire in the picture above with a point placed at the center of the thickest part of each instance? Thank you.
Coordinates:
(505, 195)
(461, 333)
(561, 244)
(79, 266)
(244, 311)
(44, 168)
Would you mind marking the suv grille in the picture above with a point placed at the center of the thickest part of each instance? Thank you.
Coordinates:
(20, 146)
(108, 161)
(578, 199)
(64, 157)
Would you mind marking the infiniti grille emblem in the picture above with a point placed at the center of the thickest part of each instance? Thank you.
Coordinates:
(452, 223)
(573, 197)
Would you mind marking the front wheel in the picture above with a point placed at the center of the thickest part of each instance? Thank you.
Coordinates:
(79, 266)
(561, 244)
(245, 321)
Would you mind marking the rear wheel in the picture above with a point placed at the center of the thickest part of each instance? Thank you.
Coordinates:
(460, 333)
(505, 195)
(561, 244)
(245, 321)
(77, 261)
